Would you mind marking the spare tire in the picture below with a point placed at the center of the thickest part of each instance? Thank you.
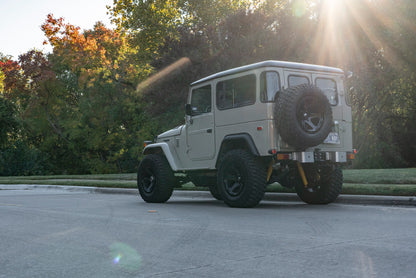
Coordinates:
(303, 116)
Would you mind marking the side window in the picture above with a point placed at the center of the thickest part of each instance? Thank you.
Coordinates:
(201, 100)
(329, 87)
(269, 85)
(236, 92)
(295, 80)
(348, 95)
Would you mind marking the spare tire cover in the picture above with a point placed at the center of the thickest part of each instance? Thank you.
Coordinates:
(303, 116)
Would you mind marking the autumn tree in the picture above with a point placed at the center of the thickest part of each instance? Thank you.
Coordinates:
(85, 107)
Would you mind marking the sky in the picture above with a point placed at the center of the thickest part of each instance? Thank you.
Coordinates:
(20, 21)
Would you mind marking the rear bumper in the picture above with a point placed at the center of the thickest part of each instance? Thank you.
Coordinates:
(317, 156)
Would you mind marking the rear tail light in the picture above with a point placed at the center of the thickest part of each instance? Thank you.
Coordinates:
(351, 155)
(283, 156)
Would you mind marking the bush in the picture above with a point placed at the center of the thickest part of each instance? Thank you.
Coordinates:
(21, 160)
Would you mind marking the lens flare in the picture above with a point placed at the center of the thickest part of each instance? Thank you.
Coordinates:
(299, 8)
(125, 257)
(117, 259)
(177, 66)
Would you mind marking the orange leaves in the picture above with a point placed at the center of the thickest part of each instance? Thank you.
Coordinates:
(11, 70)
(88, 49)
(51, 28)
(98, 56)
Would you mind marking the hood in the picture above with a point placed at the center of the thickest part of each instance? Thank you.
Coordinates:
(170, 133)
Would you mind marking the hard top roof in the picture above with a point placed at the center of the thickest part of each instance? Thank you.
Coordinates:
(271, 63)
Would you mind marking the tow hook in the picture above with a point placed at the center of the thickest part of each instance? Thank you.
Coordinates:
(302, 174)
(270, 171)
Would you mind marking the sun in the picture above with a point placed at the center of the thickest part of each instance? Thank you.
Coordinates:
(334, 4)
(333, 31)
(334, 8)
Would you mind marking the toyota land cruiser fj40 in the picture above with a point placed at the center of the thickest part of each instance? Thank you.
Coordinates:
(254, 125)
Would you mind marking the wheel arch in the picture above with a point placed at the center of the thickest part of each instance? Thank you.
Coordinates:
(237, 141)
(162, 148)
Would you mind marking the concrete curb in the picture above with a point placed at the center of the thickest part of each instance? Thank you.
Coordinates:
(282, 197)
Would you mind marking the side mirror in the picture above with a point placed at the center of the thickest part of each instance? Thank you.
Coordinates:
(188, 109)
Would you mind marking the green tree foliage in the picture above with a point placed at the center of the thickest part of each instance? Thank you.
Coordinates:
(78, 105)
(9, 125)
(371, 38)
(98, 116)
(380, 40)
(86, 107)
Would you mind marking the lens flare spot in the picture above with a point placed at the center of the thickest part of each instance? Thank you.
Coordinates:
(299, 8)
(125, 257)
(117, 259)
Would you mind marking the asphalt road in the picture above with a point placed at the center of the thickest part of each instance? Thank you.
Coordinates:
(59, 233)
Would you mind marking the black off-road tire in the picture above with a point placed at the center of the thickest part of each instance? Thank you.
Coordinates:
(324, 183)
(215, 192)
(303, 116)
(155, 179)
(241, 179)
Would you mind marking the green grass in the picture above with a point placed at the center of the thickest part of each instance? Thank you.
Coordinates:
(381, 176)
(379, 189)
(74, 182)
(399, 182)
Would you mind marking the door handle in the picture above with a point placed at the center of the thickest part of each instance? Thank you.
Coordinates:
(209, 130)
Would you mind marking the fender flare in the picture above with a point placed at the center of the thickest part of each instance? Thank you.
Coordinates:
(242, 139)
(164, 149)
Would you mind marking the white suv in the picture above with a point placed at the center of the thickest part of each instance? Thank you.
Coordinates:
(254, 125)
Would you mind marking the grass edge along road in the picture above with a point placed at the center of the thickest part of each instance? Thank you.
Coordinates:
(393, 182)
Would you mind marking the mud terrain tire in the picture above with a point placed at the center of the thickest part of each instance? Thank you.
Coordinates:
(303, 116)
(241, 179)
(325, 184)
(155, 179)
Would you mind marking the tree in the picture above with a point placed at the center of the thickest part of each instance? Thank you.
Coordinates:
(99, 112)
(371, 38)
(9, 124)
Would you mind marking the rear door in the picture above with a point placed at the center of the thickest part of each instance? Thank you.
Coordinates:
(328, 85)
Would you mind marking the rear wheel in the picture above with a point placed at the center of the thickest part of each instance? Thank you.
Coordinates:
(324, 183)
(241, 179)
(155, 179)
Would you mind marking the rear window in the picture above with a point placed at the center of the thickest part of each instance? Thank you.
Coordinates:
(329, 87)
(236, 92)
(295, 80)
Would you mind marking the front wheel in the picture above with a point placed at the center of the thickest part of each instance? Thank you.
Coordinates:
(241, 179)
(155, 179)
(324, 183)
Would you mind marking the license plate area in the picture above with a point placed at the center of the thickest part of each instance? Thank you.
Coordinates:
(333, 138)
